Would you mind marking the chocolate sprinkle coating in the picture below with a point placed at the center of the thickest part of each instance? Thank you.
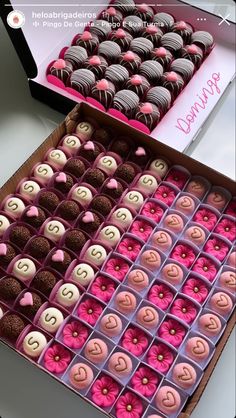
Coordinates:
(183, 67)
(164, 21)
(113, 193)
(90, 227)
(44, 281)
(126, 102)
(82, 80)
(30, 310)
(97, 64)
(48, 200)
(61, 266)
(117, 74)
(103, 135)
(75, 167)
(11, 326)
(64, 187)
(8, 257)
(159, 96)
(20, 235)
(109, 50)
(126, 172)
(89, 154)
(120, 146)
(35, 221)
(76, 55)
(94, 176)
(101, 204)
(142, 47)
(69, 210)
(172, 41)
(10, 288)
(75, 240)
(152, 70)
(39, 247)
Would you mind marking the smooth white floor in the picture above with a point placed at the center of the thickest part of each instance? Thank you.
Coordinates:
(26, 392)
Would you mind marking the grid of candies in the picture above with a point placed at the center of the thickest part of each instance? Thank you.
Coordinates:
(117, 272)
(121, 57)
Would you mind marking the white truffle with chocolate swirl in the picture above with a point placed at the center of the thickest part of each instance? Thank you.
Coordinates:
(43, 172)
(54, 230)
(24, 269)
(29, 189)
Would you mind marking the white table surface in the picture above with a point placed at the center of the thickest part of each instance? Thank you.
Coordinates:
(26, 392)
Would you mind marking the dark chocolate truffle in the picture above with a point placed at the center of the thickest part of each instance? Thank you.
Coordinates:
(20, 235)
(109, 50)
(32, 308)
(61, 69)
(142, 47)
(82, 81)
(163, 56)
(89, 222)
(172, 41)
(122, 38)
(75, 240)
(63, 182)
(161, 97)
(103, 91)
(11, 326)
(89, 150)
(101, 204)
(133, 24)
(126, 102)
(138, 84)
(68, 210)
(34, 216)
(204, 40)
(97, 64)
(44, 281)
(164, 21)
(192, 53)
(126, 172)
(117, 74)
(76, 55)
(103, 135)
(183, 67)
(39, 248)
(130, 61)
(183, 29)
(113, 188)
(101, 28)
(144, 11)
(121, 147)
(113, 16)
(125, 6)
(94, 176)
(172, 82)
(153, 33)
(7, 253)
(152, 70)
(60, 260)
(75, 167)
(148, 114)
(48, 200)
(88, 41)
(10, 288)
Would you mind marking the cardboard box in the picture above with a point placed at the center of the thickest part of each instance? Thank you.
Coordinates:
(85, 112)
(39, 42)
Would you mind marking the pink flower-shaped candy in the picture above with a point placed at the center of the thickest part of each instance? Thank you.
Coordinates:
(103, 288)
(196, 289)
(165, 194)
(75, 334)
(206, 268)
(226, 228)
(184, 254)
(206, 218)
(130, 248)
(152, 210)
(57, 359)
(129, 406)
(141, 229)
(135, 341)
(117, 267)
(160, 357)
(145, 381)
(216, 247)
(184, 309)
(231, 208)
(160, 295)
(104, 392)
(177, 177)
(89, 311)
(172, 331)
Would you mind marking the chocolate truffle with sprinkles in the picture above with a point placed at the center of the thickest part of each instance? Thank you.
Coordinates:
(122, 38)
(126, 172)
(109, 50)
(68, 210)
(113, 16)
(113, 188)
(82, 81)
(184, 29)
(89, 222)
(144, 11)
(11, 326)
(103, 91)
(172, 41)
(117, 74)
(39, 247)
(90, 150)
(130, 61)
(94, 176)
(30, 309)
(44, 281)
(60, 260)
(172, 82)
(101, 28)
(138, 84)
(125, 6)
(48, 200)
(76, 55)
(97, 64)
(161, 97)
(183, 67)
(192, 53)
(87, 40)
(121, 146)
(126, 102)
(152, 70)
(148, 114)
(75, 166)
(142, 47)
(61, 69)
(163, 56)
(101, 204)
(140, 156)
(75, 240)
(133, 24)
(164, 21)
(7, 253)
(204, 40)
(153, 33)
(10, 288)
(20, 235)
(63, 182)
(103, 135)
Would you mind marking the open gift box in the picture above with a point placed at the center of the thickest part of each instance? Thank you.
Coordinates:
(214, 182)
(42, 38)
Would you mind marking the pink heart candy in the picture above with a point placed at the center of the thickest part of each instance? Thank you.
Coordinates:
(86, 36)
(140, 151)
(120, 33)
(61, 178)
(88, 217)
(89, 146)
(58, 256)
(94, 60)
(59, 64)
(102, 84)
(33, 211)
(3, 249)
(112, 184)
(146, 108)
(27, 300)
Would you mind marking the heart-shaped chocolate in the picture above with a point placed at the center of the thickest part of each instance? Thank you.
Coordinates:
(199, 348)
(111, 322)
(61, 178)
(212, 325)
(162, 239)
(186, 375)
(222, 302)
(232, 280)
(88, 217)
(139, 277)
(169, 400)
